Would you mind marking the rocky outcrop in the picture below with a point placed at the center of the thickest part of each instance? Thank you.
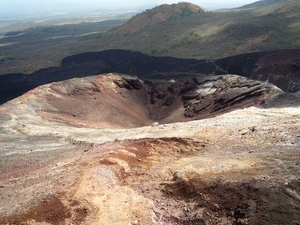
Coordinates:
(226, 93)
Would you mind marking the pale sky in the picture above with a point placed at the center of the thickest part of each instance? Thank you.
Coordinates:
(32, 6)
(212, 4)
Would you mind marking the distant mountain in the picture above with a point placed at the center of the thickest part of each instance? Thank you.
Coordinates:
(157, 15)
(214, 34)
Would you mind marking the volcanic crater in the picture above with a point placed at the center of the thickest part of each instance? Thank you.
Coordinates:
(115, 149)
(122, 101)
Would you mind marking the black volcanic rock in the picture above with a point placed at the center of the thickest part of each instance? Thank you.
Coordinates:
(277, 67)
(87, 64)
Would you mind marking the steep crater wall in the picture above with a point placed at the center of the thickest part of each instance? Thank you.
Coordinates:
(122, 101)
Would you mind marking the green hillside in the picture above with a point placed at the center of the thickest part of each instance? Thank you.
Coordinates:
(217, 34)
(157, 15)
(263, 3)
(180, 30)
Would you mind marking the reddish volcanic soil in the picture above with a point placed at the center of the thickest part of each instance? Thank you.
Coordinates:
(114, 149)
(114, 101)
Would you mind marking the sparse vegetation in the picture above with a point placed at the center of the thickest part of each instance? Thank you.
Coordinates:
(199, 35)
(96, 35)
(46, 46)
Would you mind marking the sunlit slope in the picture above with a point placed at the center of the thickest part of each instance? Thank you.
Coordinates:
(214, 34)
